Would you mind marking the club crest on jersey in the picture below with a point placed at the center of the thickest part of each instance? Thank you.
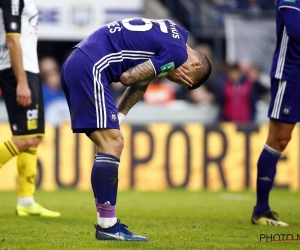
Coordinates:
(13, 26)
(286, 110)
(14, 127)
(114, 115)
(167, 67)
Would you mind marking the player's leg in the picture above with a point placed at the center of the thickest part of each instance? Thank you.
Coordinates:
(278, 138)
(7, 148)
(93, 111)
(104, 180)
(281, 124)
(27, 171)
(27, 126)
(104, 176)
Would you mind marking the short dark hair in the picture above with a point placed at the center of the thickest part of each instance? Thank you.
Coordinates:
(204, 72)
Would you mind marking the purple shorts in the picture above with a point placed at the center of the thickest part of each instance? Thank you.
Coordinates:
(89, 97)
(285, 101)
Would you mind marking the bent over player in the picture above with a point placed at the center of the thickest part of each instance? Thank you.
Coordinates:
(284, 110)
(131, 51)
(21, 89)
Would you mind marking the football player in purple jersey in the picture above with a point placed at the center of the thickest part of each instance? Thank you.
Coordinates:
(284, 110)
(133, 52)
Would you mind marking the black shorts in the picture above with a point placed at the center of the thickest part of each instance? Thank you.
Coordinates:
(24, 121)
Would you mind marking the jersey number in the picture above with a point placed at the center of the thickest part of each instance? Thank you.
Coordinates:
(148, 24)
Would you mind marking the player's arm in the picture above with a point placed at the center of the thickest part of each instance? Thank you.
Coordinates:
(291, 18)
(139, 74)
(131, 96)
(12, 24)
(23, 91)
(145, 71)
(137, 80)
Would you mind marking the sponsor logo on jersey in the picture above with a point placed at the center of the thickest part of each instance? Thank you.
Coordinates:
(291, 1)
(32, 114)
(15, 4)
(167, 67)
(32, 119)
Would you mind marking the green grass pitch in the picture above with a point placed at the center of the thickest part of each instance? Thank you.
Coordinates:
(174, 219)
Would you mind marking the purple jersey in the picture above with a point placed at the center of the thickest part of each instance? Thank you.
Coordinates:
(285, 71)
(123, 44)
(102, 57)
(286, 60)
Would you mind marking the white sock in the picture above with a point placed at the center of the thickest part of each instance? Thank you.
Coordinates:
(106, 222)
(25, 201)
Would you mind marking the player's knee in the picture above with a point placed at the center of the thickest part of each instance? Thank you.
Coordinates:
(279, 144)
(119, 144)
(282, 144)
(25, 143)
(278, 141)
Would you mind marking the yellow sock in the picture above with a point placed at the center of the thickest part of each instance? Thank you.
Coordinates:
(27, 169)
(7, 151)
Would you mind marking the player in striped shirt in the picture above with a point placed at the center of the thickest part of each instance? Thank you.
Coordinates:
(284, 110)
(21, 87)
(133, 52)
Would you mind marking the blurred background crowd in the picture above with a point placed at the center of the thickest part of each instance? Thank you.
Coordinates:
(237, 35)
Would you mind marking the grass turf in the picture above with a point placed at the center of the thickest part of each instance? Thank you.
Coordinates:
(175, 219)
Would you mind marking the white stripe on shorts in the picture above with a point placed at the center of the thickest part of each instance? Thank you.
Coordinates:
(104, 62)
(282, 55)
(278, 100)
(97, 96)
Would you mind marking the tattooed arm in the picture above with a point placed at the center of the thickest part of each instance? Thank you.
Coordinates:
(138, 74)
(131, 96)
(137, 80)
